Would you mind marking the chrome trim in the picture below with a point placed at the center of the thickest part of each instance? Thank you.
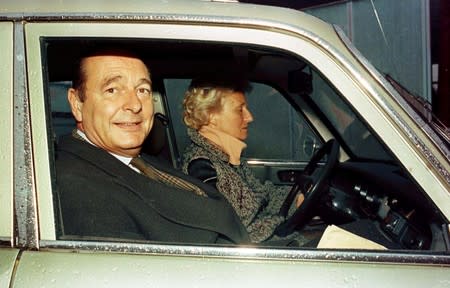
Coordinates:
(253, 253)
(131, 17)
(273, 163)
(392, 113)
(161, 17)
(26, 224)
(278, 163)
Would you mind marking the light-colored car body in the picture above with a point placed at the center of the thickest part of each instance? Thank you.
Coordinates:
(32, 256)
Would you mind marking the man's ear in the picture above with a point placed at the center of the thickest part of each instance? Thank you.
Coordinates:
(75, 104)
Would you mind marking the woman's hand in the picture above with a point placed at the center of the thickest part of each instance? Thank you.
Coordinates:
(299, 199)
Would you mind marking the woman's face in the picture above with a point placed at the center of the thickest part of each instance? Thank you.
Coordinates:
(234, 117)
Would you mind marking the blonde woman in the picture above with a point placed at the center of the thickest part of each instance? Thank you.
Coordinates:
(218, 118)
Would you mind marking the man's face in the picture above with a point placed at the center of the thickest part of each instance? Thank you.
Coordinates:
(117, 112)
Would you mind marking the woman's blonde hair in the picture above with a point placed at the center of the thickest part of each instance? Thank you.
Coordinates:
(205, 97)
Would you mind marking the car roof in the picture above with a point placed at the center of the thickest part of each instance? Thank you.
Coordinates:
(191, 10)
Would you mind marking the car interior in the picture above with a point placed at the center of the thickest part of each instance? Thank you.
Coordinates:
(305, 135)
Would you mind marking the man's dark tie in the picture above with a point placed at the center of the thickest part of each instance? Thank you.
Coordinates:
(155, 174)
(163, 177)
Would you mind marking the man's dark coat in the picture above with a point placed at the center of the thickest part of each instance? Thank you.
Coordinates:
(100, 197)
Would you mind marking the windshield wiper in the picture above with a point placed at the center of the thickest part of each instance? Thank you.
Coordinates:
(422, 108)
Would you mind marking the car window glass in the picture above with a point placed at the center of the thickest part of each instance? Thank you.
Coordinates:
(278, 131)
(283, 112)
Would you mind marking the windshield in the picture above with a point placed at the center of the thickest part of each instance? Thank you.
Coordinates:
(417, 107)
(360, 141)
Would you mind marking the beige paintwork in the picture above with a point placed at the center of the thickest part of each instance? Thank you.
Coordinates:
(8, 258)
(121, 270)
(6, 144)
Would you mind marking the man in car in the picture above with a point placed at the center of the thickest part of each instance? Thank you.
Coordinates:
(107, 188)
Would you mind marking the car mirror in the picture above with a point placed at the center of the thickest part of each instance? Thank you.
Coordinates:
(300, 82)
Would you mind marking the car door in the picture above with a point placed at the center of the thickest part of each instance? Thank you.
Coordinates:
(56, 262)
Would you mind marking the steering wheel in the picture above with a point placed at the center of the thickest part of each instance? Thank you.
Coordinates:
(312, 187)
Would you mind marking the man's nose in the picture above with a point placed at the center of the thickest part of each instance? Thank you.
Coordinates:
(132, 102)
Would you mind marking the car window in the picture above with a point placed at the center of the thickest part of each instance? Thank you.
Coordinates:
(281, 131)
(277, 133)
(6, 123)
